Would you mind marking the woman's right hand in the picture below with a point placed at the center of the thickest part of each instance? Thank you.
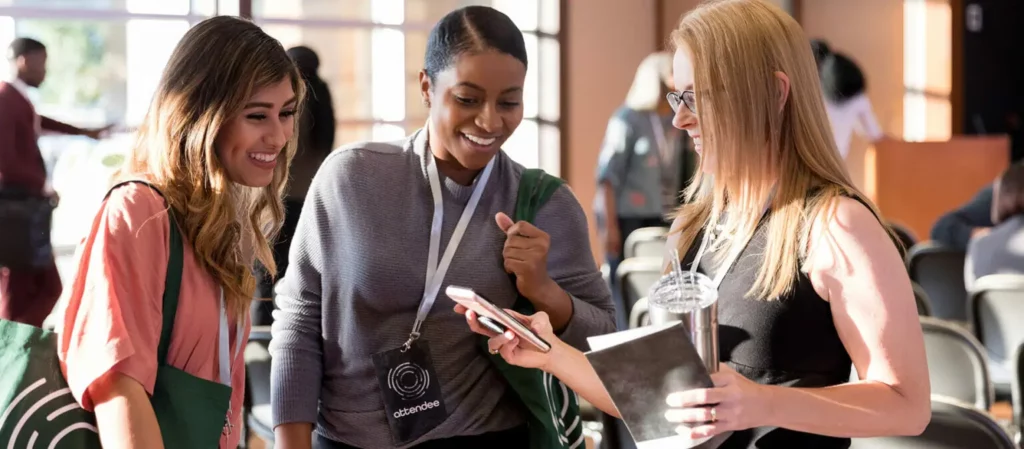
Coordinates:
(510, 346)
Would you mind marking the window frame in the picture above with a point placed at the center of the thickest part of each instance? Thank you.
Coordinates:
(245, 9)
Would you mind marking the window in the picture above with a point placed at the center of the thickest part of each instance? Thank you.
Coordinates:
(927, 49)
(105, 60)
(371, 53)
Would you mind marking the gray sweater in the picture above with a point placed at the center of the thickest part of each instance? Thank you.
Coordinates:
(358, 263)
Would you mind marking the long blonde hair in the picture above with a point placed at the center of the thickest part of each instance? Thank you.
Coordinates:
(213, 72)
(649, 83)
(760, 153)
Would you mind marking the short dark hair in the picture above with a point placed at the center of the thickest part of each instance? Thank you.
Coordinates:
(305, 59)
(821, 51)
(841, 78)
(23, 46)
(1008, 194)
(473, 28)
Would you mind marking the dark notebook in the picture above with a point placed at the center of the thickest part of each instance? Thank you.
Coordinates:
(640, 368)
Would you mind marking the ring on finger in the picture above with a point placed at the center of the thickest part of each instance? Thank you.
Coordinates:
(493, 351)
(714, 414)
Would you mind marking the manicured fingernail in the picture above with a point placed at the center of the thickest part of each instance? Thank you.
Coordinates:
(510, 335)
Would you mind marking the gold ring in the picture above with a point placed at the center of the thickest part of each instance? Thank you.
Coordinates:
(714, 415)
(494, 351)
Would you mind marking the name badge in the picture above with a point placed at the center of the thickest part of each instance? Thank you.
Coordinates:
(411, 391)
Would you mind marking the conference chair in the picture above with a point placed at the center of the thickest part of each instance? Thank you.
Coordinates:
(939, 270)
(954, 425)
(645, 242)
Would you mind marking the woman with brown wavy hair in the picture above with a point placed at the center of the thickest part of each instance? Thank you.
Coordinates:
(214, 150)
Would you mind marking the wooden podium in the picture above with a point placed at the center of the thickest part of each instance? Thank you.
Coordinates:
(914, 183)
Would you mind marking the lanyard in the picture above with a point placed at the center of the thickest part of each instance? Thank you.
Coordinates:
(223, 348)
(664, 149)
(437, 270)
(733, 255)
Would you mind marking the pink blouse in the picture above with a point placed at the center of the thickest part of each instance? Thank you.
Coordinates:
(113, 316)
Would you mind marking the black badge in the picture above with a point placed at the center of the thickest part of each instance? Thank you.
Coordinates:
(411, 391)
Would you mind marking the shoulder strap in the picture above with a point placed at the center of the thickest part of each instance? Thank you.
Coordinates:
(172, 280)
(535, 189)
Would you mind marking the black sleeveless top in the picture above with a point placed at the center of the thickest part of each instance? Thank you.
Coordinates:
(790, 341)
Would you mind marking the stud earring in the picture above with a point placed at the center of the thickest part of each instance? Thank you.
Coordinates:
(426, 102)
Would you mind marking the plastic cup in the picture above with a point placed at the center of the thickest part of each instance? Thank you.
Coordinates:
(682, 292)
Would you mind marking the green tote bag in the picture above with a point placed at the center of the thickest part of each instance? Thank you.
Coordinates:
(38, 410)
(554, 411)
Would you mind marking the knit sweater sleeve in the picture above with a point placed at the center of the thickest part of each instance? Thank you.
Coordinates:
(297, 342)
(571, 264)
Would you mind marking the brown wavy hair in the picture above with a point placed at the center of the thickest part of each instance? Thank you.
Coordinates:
(214, 71)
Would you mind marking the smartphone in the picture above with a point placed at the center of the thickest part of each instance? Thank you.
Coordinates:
(491, 325)
(486, 309)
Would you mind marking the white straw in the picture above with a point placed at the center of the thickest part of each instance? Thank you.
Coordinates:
(677, 268)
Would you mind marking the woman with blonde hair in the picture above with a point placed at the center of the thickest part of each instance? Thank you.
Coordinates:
(158, 310)
(816, 282)
(644, 163)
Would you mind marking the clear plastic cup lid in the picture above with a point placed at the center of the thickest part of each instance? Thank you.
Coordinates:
(682, 292)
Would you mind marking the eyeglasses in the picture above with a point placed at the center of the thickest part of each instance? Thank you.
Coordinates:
(676, 99)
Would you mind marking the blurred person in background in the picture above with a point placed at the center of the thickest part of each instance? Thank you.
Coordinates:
(846, 101)
(644, 164)
(27, 295)
(1000, 249)
(956, 228)
(316, 140)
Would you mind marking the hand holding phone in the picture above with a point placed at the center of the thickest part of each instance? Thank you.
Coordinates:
(485, 309)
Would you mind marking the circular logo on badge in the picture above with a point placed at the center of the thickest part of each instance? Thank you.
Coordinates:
(409, 381)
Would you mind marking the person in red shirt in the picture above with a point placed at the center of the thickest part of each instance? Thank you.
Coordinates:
(27, 295)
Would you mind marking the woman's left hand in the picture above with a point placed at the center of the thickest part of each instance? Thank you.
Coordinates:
(735, 403)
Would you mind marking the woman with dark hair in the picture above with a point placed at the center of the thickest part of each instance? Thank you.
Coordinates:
(365, 268)
(846, 101)
(1001, 249)
(194, 208)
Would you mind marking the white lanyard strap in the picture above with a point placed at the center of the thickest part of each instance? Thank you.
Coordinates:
(733, 255)
(436, 271)
(664, 150)
(726, 264)
(224, 346)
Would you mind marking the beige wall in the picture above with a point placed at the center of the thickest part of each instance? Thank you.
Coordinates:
(871, 33)
(605, 41)
(673, 10)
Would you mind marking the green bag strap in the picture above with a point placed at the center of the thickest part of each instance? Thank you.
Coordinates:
(535, 189)
(172, 280)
